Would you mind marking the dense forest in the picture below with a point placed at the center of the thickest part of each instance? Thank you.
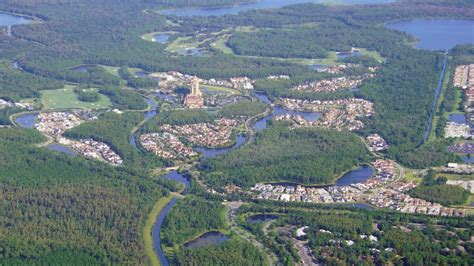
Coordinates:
(57, 207)
(190, 218)
(242, 109)
(281, 154)
(436, 190)
(232, 252)
(178, 117)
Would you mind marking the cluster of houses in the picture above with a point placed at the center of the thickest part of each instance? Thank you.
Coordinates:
(400, 201)
(385, 174)
(54, 124)
(465, 148)
(213, 135)
(376, 142)
(334, 84)
(172, 79)
(380, 190)
(339, 114)
(336, 69)
(464, 78)
(166, 145)
(456, 130)
(92, 149)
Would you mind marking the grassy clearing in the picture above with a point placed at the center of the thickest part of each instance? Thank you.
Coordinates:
(220, 44)
(372, 54)
(222, 89)
(65, 98)
(411, 177)
(181, 43)
(147, 237)
(111, 70)
(455, 176)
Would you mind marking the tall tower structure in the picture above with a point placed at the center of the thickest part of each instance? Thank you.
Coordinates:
(194, 99)
(195, 87)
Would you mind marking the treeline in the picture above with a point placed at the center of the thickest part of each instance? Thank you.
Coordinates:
(436, 190)
(281, 154)
(16, 85)
(178, 117)
(431, 154)
(123, 99)
(232, 252)
(59, 207)
(5, 114)
(190, 218)
(243, 109)
(85, 94)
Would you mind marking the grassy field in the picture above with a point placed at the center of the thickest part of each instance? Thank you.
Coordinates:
(111, 70)
(147, 237)
(222, 89)
(411, 177)
(455, 176)
(66, 99)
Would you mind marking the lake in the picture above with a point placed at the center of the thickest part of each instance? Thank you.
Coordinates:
(263, 4)
(10, 20)
(27, 120)
(207, 239)
(359, 175)
(437, 34)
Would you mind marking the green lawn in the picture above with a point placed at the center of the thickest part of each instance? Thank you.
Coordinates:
(66, 99)
(222, 89)
(111, 70)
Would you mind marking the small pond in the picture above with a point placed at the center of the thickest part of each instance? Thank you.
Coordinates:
(27, 120)
(359, 175)
(207, 239)
(458, 118)
(62, 148)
